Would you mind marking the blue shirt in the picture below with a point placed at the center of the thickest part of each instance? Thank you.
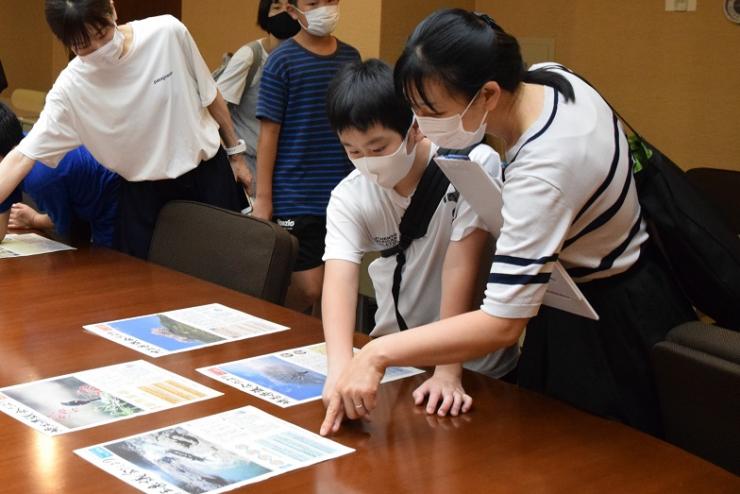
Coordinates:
(14, 197)
(310, 161)
(78, 187)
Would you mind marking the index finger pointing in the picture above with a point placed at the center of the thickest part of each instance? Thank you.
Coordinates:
(332, 411)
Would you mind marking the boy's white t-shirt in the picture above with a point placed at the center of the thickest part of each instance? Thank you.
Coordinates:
(363, 217)
(144, 117)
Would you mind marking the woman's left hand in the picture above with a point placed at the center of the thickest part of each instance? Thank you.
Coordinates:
(355, 392)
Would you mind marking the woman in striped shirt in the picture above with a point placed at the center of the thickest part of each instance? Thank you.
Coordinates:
(568, 197)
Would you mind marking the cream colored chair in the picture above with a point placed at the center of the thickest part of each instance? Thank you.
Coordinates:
(28, 104)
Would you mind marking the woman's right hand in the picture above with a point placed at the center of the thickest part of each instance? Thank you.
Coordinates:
(262, 209)
(335, 371)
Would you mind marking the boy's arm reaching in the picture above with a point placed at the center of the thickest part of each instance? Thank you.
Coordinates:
(338, 308)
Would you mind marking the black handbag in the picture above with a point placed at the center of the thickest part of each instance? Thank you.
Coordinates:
(701, 250)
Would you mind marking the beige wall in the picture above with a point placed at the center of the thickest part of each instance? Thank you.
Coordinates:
(400, 17)
(360, 25)
(220, 26)
(25, 45)
(674, 76)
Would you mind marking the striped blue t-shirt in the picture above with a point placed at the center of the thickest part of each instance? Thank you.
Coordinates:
(310, 161)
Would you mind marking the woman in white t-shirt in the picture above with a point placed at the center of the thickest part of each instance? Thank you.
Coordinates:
(240, 80)
(568, 197)
(142, 100)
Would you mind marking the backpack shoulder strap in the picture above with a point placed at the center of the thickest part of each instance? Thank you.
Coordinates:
(256, 48)
(415, 222)
(225, 59)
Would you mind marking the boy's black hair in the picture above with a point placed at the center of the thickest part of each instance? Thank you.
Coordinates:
(69, 19)
(11, 132)
(362, 95)
(463, 50)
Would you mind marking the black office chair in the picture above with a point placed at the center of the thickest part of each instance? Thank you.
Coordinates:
(697, 372)
(247, 254)
(721, 188)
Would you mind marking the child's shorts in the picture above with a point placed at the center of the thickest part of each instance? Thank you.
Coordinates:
(311, 234)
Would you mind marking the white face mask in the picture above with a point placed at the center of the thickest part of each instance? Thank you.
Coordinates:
(387, 171)
(321, 21)
(109, 53)
(448, 132)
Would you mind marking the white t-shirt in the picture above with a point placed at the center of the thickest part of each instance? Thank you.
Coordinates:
(364, 217)
(568, 195)
(144, 117)
(242, 100)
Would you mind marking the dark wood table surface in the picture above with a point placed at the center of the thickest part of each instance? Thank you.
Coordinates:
(512, 441)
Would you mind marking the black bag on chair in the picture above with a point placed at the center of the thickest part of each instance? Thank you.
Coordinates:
(702, 251)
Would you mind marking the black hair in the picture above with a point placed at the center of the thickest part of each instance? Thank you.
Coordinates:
(463, 50)
(11, 132)
(263, 12)
(362, 95)
(69, 19)
(282, 26)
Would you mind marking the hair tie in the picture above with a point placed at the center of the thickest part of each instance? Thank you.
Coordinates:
(488, 20)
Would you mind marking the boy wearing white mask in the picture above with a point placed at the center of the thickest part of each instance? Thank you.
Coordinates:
(299, 158)
(390, 156)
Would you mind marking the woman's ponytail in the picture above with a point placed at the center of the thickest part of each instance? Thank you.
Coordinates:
(548, 78)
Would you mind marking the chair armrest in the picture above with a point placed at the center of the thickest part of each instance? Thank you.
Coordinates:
(709, 339)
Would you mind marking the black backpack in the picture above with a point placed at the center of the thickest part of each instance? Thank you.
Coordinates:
(701, 250)
(415, 221)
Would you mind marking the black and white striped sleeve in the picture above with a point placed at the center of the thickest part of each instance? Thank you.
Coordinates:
(536, 221)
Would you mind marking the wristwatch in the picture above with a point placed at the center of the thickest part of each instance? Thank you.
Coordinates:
(240, 148)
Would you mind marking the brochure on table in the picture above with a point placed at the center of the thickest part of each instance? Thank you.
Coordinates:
(29, 244)
(99, 396)
(186, 329)
(286, 378)
(212, 454)
(483, 193)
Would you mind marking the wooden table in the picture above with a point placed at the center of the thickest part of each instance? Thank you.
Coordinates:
(513, 440)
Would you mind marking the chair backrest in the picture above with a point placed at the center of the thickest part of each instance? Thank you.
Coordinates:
(27, 104)
(721, 188)
(28, 100)
(233, 250)
(697, 373)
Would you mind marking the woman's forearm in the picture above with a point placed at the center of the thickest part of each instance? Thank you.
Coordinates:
(447, 341)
